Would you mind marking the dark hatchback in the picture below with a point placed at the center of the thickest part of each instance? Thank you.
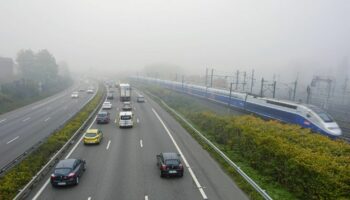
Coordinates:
(67, 172)
(103, 117)
(110, 96)
(170, 164)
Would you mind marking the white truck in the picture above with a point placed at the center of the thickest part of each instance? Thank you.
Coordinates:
(125, 92)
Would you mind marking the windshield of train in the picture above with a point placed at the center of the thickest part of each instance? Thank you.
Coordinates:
(321, 113)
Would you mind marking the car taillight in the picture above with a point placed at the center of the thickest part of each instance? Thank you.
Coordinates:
(53, 176)
(181, 167)
(71, 174)
(163, 167)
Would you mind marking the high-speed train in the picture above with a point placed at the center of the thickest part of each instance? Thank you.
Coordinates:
(307, 116)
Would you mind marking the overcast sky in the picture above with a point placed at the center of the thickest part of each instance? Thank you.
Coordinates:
(281, 36)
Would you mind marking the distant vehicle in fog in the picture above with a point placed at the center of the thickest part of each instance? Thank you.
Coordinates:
(106, 105)
(125, 92)
(103, 117)
(140, 99)
(75, 95)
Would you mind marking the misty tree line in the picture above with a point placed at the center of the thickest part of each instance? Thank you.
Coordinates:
(38, 75)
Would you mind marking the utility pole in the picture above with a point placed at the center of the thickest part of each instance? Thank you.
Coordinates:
(295, 89)
(237, 77)
(308, 98)
(183, 79)
(206, 78)
(211, 78)
(229, 101)
(252, 82)
(274, 89)
(262, 87)
(244, 80)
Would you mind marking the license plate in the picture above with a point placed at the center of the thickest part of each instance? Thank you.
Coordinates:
(172, 172)
(61, 183)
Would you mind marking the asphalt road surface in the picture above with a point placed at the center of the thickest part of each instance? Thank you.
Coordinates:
(20, 129)
(123, 166)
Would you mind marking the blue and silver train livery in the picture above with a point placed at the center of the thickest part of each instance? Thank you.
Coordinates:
(307, 116)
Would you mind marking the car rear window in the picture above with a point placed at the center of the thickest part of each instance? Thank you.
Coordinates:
(62, 170)
(90, 134)
(172, 162)
(102, 115)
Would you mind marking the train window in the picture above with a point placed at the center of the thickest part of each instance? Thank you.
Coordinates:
(308, 115)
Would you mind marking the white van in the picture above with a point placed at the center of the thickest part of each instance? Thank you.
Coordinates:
(126, 119)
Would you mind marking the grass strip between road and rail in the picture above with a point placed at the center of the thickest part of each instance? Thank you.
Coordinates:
(17, 177)
(285, 160)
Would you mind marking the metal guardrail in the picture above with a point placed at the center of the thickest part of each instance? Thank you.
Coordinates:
(19, 158)
(24, 192)
(227, 159)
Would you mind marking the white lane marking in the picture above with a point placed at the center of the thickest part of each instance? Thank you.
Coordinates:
(12, 140)
(2, 120)
(146, 197)
(48, 180)
(141, 144)
(47, 119)
(26, 119)
(200, 188)
(109, 143)
(137, 120)
(89, 198)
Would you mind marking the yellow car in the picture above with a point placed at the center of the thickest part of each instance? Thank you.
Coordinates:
(93, 136)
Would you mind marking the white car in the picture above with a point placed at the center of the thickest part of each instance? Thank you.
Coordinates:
(90, 91)
(75, 95)
(107, 105)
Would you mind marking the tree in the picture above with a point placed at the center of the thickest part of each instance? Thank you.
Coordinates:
(26, 63)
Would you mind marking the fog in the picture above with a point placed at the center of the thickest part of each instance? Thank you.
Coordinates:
(273, 37)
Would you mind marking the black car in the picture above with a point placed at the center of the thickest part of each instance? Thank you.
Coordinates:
(103, 117)
(170, 164)
(67, 172)
(110, 96)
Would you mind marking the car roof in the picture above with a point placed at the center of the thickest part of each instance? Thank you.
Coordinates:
(67, 163)
(125, 113)
(170, 155)
(107, 102)
(103, 112)
(92, 131)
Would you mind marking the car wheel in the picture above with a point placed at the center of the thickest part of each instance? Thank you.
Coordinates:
(162, 175)
(77, 180)
(181, 175)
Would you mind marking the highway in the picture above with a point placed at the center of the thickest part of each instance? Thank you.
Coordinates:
(22, 128)
(123, 166)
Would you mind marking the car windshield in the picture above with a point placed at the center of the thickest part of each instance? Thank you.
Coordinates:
(62, 170)
(125, 117)
(172, 162)
(90, 134)
(322, 114)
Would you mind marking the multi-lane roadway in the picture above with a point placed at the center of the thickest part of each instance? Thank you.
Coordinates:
(123, 166)
(22, 128)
